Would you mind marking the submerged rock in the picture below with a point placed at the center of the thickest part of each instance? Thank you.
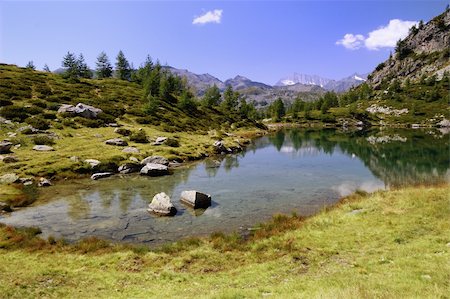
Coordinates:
(153, 169)
(161, 205)
(101, 175)
(156, 160)
(196, 199)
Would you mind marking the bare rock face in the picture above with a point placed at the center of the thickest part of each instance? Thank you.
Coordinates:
(196, 199)
(5, 147)
(155, 159)
(429, 41)
(161, 205)
(153, 169)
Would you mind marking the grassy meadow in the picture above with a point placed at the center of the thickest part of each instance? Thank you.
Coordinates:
(390, 244)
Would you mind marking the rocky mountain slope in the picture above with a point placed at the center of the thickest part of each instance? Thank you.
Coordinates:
(341, 85)
(425, 52)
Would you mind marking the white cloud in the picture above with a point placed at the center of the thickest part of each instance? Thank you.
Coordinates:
(383, 37)
(387, 36)
(213, 16)
(351, 41)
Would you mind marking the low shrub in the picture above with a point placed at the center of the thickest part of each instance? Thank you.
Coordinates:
(38, 123)
(172, 142)
(14, 113)
(139, 137)
(43, 140)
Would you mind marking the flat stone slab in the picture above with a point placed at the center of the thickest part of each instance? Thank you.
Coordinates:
(130, 150)
(43, 148)
(156, 160)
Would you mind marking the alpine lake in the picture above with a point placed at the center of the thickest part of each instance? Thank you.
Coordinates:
(293, 170)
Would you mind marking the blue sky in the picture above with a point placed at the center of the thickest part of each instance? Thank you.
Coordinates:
(262, 40)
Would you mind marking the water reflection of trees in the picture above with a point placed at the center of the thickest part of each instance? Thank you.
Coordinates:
(418, 158)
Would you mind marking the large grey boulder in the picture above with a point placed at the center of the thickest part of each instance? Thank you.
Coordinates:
(153, 169)
(5, 146)
(129, 168)
(155, 159)
(43, 148)
(196, 199)
(116, 141)
(445, 123)
(161, 205)
(80, 109)
(131, 150)
(101, 175)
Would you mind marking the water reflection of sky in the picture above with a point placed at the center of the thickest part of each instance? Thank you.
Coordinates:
(297, 171)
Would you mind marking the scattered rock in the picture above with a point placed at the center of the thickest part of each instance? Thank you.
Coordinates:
(122, 131)
(445, 123)
(80, 109)
(112, 125)
(161, 205)
(101, 175)
(131, 150)
(9, 159)
(9, 178)
(129, 168)
(43, 148)
(196, 199)
(116, 141)
(5, 147)
(160, 140)
(28, 130)
(153, 169)
(5, 121)
(156, 160)
(98, 136)
(5, 207)
(92, 162)
(26, 181)
(386, 110)
(134, 159)
(11, 134)
(74, 159)
(219, 147)
(43, 182)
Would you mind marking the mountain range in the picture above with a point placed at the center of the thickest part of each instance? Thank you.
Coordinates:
(307, 87)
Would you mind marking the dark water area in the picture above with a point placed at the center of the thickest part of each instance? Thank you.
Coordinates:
(294, 170)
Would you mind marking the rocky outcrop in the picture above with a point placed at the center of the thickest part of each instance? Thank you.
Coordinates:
(155, 159)
(153, 169)
(160, 140)
(196, 199)
(161, 205)
(445, 123)
(80, 109)
(219, 147)
(422, 52)
(116, 142)
(5, 147)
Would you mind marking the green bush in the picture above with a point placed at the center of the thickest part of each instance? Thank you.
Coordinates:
(139, 137)
(38, 123)
(172, 142)
(14, 113)
(43, 140)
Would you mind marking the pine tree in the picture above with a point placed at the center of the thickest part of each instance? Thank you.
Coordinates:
(30, 65)
(46, 69)
(83, 70)
(230, 99)
(70, 63)
(123, 70)
(104, 68)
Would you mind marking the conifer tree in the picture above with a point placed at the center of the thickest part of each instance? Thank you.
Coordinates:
(123, 70)
(70, 64)
(104, 68)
